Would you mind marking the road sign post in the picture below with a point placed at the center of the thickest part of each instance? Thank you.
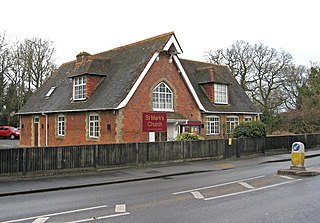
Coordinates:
(297, 156)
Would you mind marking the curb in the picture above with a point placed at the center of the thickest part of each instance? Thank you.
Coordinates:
(307, 173)
(6, 194)
(289, 159)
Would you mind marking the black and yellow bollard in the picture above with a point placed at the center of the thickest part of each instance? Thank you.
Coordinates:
(297, 156)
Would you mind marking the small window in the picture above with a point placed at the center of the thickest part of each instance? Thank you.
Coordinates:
(232, 123)
(212, 125)
(61, 125)
(79, 88)
(220, 94)
(50, 92)
(93, 126)
(36, 119)
(162, 97)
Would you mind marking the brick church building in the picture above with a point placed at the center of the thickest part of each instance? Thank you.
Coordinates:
(101, 98)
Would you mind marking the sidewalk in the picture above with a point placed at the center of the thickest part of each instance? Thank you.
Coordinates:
(13, 186)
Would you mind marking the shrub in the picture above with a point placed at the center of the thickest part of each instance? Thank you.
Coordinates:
(250, 129)
(188, 136)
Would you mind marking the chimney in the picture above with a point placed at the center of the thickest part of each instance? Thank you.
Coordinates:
(83, 56)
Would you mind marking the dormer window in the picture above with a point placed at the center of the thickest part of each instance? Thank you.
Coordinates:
(79, 88)
(220, 94)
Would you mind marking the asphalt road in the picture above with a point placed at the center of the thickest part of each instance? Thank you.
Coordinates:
(9, 143)
(244, 194)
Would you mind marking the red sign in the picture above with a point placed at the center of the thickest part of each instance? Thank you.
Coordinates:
(154, 121)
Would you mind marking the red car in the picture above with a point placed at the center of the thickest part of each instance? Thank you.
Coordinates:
(9, 132)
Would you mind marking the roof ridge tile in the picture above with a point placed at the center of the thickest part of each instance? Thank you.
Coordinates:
(141, 41)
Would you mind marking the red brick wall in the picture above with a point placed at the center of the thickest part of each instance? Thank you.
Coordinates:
(27, 137)
(141, 101)
(76, 130)
(223, 125)
(25, 130)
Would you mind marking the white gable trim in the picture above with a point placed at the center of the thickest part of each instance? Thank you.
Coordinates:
(173, 41)
(136, 85)
(184, 75)
(143, 74)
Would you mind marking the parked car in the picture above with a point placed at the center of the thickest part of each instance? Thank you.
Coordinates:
(9, 132)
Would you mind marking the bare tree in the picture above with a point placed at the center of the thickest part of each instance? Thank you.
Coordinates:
(269, 66)
(295, 78)
(238, 59)
(37, 57)
(5, 62)
(33, 63)
(24, 66)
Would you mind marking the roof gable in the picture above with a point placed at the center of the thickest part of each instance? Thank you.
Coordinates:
(173, 46)
(199, 74)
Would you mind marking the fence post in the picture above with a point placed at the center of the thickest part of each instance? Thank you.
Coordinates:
(183, 156)
(137, 154)
(24, 162)
(96, 156)
(238, 151)
(59, 158)
(263, 150)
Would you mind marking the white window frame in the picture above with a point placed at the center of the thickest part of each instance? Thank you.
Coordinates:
(94, 126)
(61, 125)
(220, 93)
(162, 98)
(248, 119)
(79, 87)
(50, 92)
(212, 125)
(232, 123)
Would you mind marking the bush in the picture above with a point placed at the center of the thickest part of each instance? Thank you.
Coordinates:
(250, 129)
(188, 136)
(299, 121)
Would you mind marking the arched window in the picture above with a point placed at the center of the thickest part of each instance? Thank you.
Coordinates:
(162, 97)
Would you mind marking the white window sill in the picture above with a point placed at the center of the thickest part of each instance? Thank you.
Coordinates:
(164, 110)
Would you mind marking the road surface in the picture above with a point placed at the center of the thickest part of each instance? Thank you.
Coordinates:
(244, 194)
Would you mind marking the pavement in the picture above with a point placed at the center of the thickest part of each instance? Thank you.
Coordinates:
(15, 185)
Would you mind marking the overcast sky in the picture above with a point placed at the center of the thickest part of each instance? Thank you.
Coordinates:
(200, 25)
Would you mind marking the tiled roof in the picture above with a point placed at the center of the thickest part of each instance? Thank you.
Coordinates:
(121, 68)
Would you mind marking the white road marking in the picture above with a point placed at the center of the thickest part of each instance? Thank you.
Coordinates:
(55, 214)
(40, 220)
(120, 208)
(99, 218)
(217, 185)
(249, 191)
(246, 185)
(197, 195)
(286, 177)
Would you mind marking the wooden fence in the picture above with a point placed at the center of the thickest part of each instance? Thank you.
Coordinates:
(32, 159)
